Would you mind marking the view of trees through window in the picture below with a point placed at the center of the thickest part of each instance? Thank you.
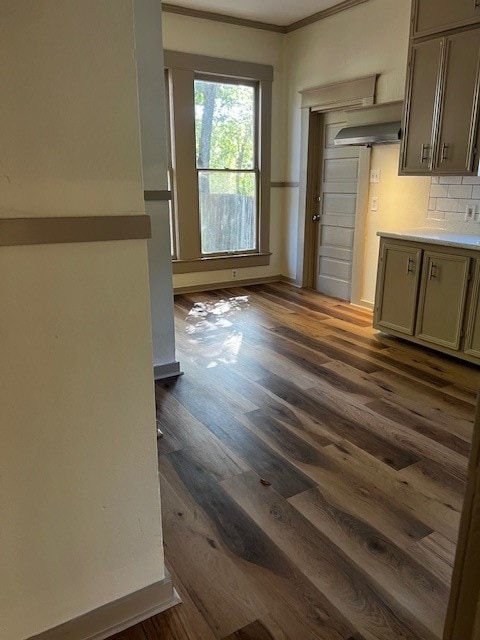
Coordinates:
(226, 166)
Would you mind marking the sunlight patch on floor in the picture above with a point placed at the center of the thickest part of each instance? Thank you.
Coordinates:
(216, 328)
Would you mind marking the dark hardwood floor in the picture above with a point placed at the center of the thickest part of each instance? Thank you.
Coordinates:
(312, 473)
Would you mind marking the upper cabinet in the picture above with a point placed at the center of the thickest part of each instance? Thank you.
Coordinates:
(433, 16)
(417, 145)
(442, 101)
(458, 104)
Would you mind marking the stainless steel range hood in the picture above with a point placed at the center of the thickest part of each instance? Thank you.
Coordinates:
(368, 134)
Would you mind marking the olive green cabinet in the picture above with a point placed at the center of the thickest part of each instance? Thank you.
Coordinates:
(433, 16)
(430, 295)
(399, 272)
(458, 104)
(424, 67)
(442, 106)
(472, 337)
(442, 298)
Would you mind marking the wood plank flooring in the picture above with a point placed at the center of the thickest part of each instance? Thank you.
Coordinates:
(312, 473)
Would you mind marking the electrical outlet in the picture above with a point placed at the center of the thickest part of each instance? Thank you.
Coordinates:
(374, 204)
(470, 211)
(234, 274)
(375, 175)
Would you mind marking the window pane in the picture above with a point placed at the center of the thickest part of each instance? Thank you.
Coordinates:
(224, 125)
(227, 211)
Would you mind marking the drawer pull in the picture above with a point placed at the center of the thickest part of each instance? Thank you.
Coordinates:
(433, 271)
(410, 265)
(424, 151)
(445, 148)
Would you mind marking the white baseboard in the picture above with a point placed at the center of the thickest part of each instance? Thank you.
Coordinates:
(293, 281)
(365, 304)
(117, 616)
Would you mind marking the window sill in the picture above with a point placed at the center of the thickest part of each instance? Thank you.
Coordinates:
(215, 263)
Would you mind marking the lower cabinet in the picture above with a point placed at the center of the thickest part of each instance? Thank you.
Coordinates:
(429, 295)
(472, 336)
(442, 298)
(399, 269)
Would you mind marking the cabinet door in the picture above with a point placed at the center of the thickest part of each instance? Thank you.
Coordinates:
(442, 298)
(472, 336)
(433, 16)
(397, 287)
(417, 140)
(459, 104)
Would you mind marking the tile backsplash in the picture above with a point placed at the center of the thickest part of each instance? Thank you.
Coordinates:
(449, 197)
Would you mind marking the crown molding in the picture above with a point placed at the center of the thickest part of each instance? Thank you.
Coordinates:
(265, 26)
(221, 17)
(321, 15)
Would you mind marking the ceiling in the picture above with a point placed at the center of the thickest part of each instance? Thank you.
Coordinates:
(278, 12)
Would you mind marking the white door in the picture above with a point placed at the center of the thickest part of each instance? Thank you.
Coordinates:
(339, 172)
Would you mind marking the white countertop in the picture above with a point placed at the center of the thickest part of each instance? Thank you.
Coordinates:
(435, 236)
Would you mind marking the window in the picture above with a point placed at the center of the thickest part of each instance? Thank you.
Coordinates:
(226, 166)
(219, 117)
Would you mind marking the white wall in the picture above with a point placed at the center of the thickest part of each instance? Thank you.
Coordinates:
(64, 152)
(402, 204)
(151, 93)
(367, 39)
(79, 501)
(204, 37)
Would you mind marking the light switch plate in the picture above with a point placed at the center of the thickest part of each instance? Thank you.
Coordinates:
(374, 204)
(375, 175)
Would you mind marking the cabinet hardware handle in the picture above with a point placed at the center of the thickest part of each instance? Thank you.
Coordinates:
(445, 148)
(433, 271)
(476, 4)
(424, 152)
(410, 265)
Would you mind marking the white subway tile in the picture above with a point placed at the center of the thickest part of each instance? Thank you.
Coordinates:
(471, 180)
(435, 179)
(460, 191)
(462, 204)
(476, 193)
(432, 204)
(451, 180)
(454, 217)
(436, 215)
(439, 191)
(447, 204)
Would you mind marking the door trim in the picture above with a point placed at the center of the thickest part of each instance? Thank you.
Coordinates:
(358, 92)
(312, 123)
